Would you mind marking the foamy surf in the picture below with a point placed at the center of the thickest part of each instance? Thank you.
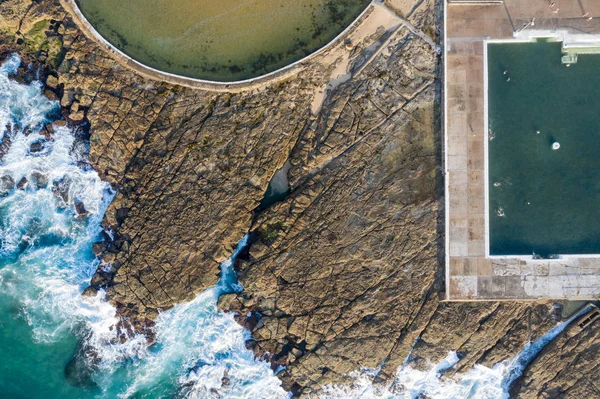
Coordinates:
(202, 351)
(46, 262)
(478, 383)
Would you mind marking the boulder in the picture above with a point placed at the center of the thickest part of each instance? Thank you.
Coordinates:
(36, 147)
(99, 247)
(22, 183)
(52, 82)
(38, 179)
(80, 209)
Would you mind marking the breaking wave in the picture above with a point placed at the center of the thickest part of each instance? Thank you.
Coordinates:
(51, 207)
(480, 382)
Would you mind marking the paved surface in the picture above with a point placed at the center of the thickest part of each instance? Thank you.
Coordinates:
(470, 274)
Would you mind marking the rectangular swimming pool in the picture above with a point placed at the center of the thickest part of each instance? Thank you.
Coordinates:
(541, 200)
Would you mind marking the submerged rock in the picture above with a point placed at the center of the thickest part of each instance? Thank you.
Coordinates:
(80, 370)
(7, 183)
(61, 188)
(99, 247)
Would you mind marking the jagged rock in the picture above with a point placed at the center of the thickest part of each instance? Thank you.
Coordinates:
(48, 131)
(50, 94)
(99, 247)
(61, 188)
(225, 381)
(80, 209)
(90, 291)
(76, 117)
(22, 183)
(566, 368)
(38, 179)
(52, 82)
(347, 271)
(36, 147)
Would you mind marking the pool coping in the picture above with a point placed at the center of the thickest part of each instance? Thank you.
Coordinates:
(246, 84)
(530, 36)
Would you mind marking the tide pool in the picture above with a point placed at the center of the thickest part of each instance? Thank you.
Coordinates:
(223, 40)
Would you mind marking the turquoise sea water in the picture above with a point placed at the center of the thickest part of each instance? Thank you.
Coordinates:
(56, 343)
(550, 199)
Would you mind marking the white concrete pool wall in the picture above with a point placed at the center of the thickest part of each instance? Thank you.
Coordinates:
(569, 40)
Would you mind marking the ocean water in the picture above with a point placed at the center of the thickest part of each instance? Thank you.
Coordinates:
(56, 343)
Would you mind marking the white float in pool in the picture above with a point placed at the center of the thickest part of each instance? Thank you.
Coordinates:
(555, 145)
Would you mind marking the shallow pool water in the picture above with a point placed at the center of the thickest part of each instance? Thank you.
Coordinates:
(222, 40)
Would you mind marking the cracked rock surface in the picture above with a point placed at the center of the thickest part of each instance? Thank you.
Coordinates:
(347, 271)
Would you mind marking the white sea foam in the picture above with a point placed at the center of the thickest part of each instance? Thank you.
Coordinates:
(45, 249)
(478, 383)
(199, 345)
(21, 106)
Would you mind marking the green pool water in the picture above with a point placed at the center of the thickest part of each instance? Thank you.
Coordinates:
(223, 40)
(550, 198)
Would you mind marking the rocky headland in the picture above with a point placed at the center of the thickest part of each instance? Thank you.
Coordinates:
(345, 272)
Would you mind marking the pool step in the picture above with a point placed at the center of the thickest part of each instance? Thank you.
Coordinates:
(569, 59)
(584, 321)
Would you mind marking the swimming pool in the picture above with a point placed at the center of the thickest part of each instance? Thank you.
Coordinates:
(225, 40)
(541, 200)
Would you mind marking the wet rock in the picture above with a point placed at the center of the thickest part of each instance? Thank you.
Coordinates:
(38, 179)
(36, 147)
(99, 247)
(225, 381)
(90, 291)
(80, 209)
(48, 131)
(61, 188)
(22, 183)
(7, 183)
(6, 142)
(50, 94)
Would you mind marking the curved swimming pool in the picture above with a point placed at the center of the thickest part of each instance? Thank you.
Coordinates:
(226, 40)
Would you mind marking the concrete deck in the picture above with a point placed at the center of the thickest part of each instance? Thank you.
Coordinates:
(470, 274)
